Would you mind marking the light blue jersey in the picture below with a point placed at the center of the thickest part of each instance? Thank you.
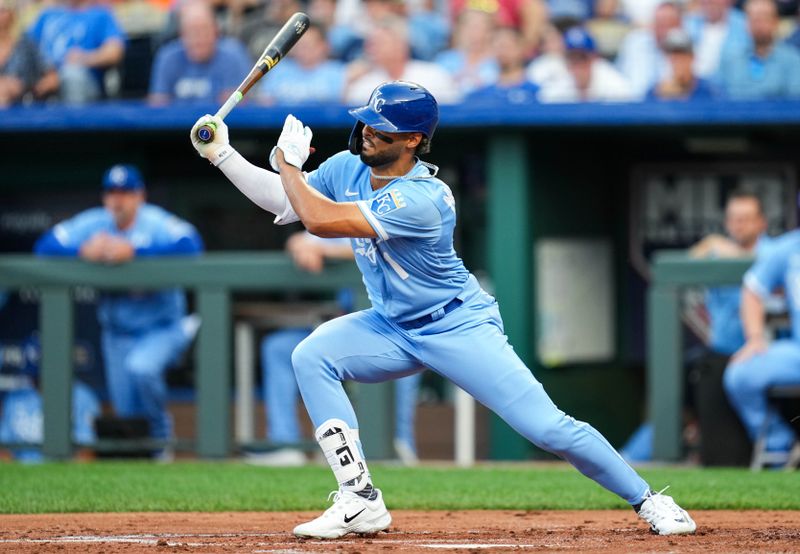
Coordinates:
(155, 232)
(411, 269)
(779, 267)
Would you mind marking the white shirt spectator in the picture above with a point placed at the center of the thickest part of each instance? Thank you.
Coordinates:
(639, 12)
(641, 61)
(547, 69)
(607, 85)
(429, 75)
(707, 52)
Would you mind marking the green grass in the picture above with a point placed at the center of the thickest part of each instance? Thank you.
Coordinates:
(208, 487)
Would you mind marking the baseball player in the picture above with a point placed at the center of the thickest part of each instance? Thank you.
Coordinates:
(143, 332)
(757, 366)
(427, 309)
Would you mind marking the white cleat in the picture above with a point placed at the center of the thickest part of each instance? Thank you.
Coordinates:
(350, 513)
(665, 516)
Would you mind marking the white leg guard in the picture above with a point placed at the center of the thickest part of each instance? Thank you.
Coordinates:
(338, 443)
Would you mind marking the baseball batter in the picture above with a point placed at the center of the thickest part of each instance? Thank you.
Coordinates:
(427, 309)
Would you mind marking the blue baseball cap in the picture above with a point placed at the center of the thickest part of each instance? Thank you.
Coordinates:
(578, 38)
(123, 177)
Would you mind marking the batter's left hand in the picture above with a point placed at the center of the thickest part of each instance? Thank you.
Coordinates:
(295, 142)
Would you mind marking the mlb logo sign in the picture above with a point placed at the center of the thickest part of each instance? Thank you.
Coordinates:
(388, 202)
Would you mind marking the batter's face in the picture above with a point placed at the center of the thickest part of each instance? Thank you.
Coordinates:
(376, 152)
(123, 205)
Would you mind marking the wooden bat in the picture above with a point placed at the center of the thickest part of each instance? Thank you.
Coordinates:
(278, 47)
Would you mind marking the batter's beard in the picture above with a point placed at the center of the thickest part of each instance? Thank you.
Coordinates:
(378, 159)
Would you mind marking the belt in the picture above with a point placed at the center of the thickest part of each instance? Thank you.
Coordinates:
(431, 317)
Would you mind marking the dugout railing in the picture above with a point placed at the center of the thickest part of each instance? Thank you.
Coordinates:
(212, 278)
(672, 272)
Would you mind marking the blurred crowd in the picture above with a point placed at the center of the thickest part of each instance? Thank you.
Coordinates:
(520, 51)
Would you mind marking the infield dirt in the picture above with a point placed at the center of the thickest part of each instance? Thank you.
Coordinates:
(411, 531)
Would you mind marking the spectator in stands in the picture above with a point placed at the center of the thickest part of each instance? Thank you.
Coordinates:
(280, 387)
(199, 66)
(639, 13)
(471, 62)
(350, 22)
(746, 227)
(590, 78)
(717, 30)
(264, 22)
(550, 66)
(388, 59)
(642, 58)
(765, 70)
(681, 83)
(429, 27)
(757, 365)
(306, 75)
(23, 69)
(143, 332)
(82, 39)
(512, 85)
(529, 16)
(786, 8)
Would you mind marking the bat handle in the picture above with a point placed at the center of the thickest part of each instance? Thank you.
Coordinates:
(206, 133)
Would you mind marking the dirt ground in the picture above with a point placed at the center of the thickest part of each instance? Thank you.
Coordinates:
(468, 531)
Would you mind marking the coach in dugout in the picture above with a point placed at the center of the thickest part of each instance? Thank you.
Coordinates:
(143, 332)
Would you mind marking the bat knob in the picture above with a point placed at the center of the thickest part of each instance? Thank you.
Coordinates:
(206, 133)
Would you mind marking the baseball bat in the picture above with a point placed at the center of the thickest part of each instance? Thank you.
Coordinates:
(278, 47)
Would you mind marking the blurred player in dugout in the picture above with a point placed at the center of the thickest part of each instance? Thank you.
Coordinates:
(143, 332)
(309, 253)
(746, 236)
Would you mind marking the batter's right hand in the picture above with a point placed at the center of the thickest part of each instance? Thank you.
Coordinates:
(218, 149)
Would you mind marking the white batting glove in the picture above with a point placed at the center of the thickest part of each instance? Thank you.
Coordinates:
(295, 142)
(218, 149)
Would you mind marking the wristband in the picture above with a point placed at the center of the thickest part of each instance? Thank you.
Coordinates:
(221, 154)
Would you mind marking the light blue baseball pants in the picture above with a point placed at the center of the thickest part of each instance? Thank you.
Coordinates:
(281, 393)
(468, 347)
(135, 373)
(746, 384)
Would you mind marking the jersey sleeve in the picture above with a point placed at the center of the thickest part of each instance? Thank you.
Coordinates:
(767, 273)
(66, 238)
(109, 28)
(402, 212)
(176, 237)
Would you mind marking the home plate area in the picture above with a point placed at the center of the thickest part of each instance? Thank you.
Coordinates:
(411, 531)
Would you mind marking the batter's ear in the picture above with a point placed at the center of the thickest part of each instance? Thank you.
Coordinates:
(414, 140)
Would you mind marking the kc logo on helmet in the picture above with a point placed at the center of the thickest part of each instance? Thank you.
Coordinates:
(377, 102)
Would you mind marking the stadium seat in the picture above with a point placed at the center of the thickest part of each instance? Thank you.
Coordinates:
(787, 401)
(135, 69)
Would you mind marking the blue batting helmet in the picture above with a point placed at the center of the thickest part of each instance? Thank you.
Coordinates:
(122, 177)
(396, 107)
